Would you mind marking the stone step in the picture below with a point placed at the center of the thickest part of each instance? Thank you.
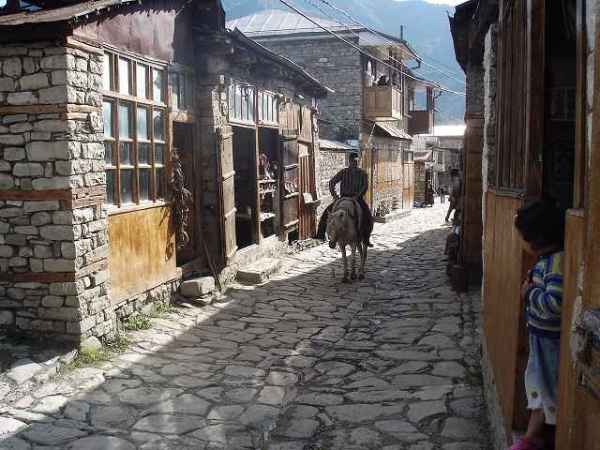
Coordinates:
(259, 271)
(201, 287)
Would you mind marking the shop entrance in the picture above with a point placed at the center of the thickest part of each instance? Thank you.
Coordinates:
(269, 172)
(244, 165)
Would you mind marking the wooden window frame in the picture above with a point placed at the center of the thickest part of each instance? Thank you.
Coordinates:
(273, 97)
(231, 105)
(116, 100)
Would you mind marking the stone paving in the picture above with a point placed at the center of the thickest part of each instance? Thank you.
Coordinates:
(302, 362)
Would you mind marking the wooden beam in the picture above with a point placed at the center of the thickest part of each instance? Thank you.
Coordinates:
(57, 194)
(38, 277)
(535, 96)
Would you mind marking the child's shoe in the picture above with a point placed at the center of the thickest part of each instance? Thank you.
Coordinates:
(526, 444)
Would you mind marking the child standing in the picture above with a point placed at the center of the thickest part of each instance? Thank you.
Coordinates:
(541, 226)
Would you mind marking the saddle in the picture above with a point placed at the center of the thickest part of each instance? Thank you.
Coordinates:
(356, 212)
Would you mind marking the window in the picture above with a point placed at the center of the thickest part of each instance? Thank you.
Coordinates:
(268, 108)
(134, 131)
(181, 90)
(241, 103)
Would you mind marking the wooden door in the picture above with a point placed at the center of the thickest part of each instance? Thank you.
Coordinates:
(306, 175)
(183, 144)
(289, 180)
(226, 180)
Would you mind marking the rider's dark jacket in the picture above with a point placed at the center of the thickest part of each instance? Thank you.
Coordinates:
(354, 182)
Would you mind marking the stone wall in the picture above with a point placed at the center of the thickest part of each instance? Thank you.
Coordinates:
(338, 67)
(330, 163)
(489, 106)
(53, 239)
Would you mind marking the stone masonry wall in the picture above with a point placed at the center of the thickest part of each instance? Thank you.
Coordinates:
(330, 163)
(53, 230)
(337, 66)
(489, 109)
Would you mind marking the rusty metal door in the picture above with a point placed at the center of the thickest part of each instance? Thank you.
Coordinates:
(226, 178)
(306, 215)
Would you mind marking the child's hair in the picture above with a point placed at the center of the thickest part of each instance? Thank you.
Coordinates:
(541, 223)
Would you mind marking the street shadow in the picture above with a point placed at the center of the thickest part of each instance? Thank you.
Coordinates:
(262, 366)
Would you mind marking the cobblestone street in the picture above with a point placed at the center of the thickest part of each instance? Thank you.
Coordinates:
(302, 362)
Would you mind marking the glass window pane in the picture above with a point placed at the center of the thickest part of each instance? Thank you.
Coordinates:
(160, 183)
(159, 154)
(110, 186)
(127, 186)
(238, 103)
(142, 124)
(185, 89)
(108, 153)
(175, 80)
(144, 184)
(159, 125)
(124, 76)
(144, 153)
(231, 99)
(107, 73)
(125, 120)
(157, 85)
(107, 113)
(125, 156)
(141, 79)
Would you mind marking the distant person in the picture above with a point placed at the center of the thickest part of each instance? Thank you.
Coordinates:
(383, 81)
(442, 194)
(455, 192)
(541, 226)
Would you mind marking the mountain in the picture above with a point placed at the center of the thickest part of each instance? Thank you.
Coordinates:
(425, 26)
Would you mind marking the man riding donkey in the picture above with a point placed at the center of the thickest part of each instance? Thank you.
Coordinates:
(354, 183)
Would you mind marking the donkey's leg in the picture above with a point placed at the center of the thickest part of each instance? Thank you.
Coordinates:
(345, 259)
(353, 274)
(363, 260)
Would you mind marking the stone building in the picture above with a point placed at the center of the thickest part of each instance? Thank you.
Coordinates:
(379, 120)
(92, 105)
(533, 106)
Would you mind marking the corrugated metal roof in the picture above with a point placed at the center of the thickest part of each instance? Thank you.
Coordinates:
(335, 145)
(423, 156)
(393, 131)
(276, 22)
(59, 14)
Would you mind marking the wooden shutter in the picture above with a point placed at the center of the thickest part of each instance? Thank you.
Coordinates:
(289, 179)
(226, 178)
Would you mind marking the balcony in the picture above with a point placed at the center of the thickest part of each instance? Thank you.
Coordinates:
(382, 103)
(420, 122)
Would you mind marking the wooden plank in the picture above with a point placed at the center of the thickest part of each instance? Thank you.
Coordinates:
(580, 107)
(534, 123)
(226, 191)
(47, 109)
(574, 244)
(38, 277)
(142, 251)
(502, 306)
(54, 194)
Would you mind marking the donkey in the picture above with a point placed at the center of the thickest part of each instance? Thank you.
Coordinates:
(344, 228)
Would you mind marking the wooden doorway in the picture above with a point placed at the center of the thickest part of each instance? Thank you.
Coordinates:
(307, 190)
(183, 144)
(244, 166)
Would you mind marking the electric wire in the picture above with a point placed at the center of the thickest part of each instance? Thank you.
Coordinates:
(382, 35)
(360, 50)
